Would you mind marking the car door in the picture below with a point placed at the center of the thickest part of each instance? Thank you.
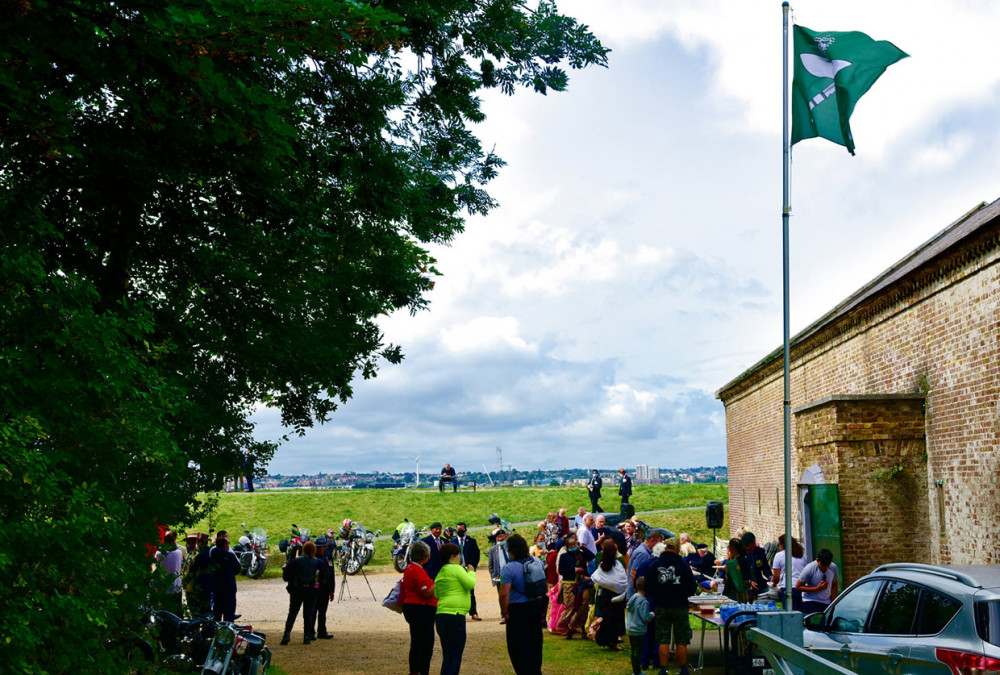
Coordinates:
(888, 641)
(841, 637)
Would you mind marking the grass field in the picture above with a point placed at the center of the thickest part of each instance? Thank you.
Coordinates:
(384, 509)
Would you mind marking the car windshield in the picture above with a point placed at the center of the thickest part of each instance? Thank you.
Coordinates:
(988, 621)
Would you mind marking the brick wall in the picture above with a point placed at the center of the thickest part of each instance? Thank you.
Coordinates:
(873, 447)
(934, 332)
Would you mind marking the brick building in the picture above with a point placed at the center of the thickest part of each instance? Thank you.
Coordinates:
(896, 400)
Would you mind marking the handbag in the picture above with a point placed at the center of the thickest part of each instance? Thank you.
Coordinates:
(394, 600)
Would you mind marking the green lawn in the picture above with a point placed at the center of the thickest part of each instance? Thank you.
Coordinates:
(384, 509)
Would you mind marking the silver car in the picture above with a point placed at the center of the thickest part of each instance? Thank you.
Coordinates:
(907, 618)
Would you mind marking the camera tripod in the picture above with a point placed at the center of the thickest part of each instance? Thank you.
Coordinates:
(343, 585)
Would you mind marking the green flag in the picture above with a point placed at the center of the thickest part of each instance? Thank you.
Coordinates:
(832, 71)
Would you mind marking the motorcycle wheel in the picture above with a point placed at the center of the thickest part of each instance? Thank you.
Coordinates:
(400, 561)
(353, 565)
(366, 556)
(257, 567)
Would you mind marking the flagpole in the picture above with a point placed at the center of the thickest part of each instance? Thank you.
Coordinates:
(786, 210)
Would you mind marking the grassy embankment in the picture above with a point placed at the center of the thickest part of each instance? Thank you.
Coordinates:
(384, 509)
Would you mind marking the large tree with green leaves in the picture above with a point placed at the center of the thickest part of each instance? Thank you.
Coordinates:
(205, 205)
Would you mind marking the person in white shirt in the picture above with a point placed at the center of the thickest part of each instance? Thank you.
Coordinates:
(778, 567)
(585, 536)
(818, 583)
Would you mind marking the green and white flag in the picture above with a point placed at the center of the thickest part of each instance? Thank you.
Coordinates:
(832, 71)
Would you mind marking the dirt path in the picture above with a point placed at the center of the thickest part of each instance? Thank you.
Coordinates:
(367, 637)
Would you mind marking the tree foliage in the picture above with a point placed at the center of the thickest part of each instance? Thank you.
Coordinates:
(205, 207)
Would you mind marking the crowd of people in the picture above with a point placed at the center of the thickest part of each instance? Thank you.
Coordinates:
(577, 577)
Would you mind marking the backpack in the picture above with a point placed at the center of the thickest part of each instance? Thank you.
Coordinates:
(535, 585)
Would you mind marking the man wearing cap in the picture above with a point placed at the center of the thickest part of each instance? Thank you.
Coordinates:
(670, 583)
(498, 557)
(594, 487)
(435, 542)
(469, 550)
(753, 563)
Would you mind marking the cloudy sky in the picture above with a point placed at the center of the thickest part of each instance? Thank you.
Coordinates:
(634, 266)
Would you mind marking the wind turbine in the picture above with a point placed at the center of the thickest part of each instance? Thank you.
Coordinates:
(417, 461)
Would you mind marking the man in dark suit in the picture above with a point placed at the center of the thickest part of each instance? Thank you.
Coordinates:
(470, 556)
(594, 486)
(602, 531)
(625, 490)
(435, 541)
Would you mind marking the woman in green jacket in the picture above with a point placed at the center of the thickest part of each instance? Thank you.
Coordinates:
(452, 588)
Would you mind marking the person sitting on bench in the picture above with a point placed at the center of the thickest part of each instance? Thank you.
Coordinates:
(448, 476)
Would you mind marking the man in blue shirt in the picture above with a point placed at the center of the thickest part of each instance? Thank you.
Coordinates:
(448, 476)
(641, 554)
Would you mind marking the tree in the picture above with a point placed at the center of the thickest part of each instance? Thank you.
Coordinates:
(205, 207)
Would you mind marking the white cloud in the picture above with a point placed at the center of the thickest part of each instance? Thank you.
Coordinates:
(485, 333)
(933, 158)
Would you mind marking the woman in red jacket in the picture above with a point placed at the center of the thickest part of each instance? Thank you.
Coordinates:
(419, 608)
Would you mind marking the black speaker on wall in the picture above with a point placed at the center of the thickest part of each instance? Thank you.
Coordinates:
(713, 515)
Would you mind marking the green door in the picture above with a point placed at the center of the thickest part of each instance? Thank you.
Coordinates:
(824, 523)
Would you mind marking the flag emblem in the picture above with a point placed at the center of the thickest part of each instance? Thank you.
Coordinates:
(831, 72)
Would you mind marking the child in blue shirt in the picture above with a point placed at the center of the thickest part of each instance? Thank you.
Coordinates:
(637, 615)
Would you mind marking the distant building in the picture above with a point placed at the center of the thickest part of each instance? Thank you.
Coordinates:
(653, 474)
(641, 472)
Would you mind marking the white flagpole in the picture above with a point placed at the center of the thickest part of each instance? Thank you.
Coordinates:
(786, 210)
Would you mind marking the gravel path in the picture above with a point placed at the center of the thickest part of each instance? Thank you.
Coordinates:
(367, 637)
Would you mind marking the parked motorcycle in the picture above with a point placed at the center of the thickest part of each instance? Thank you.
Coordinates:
(358, 547)
(237, 650)
(293, 545)
(172, 644)
(405, 534)
(252, 552)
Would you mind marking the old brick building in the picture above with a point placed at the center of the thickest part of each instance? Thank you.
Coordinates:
(896, 400)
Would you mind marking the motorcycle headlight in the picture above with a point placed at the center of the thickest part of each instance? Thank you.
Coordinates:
(225, 636)
(369, 537)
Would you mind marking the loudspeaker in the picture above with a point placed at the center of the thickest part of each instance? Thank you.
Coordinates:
(713, 515)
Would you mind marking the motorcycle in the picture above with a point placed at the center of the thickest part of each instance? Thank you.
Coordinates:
(237, 650)
(405, 534)
(252, 552)
(358, 547)
(172, 644)
(293, 545)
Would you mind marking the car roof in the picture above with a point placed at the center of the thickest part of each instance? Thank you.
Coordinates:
(974, 576)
